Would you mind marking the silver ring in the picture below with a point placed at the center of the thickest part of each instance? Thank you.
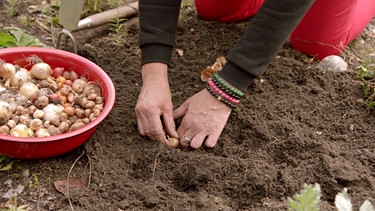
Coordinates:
(186, 140)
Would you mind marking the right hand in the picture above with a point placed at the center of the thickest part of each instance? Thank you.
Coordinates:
(154, 103)
(203, 119)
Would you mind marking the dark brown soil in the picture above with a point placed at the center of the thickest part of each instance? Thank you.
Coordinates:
(296, 125)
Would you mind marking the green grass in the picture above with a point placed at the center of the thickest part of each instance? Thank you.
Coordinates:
(9, 7)
(366, 74)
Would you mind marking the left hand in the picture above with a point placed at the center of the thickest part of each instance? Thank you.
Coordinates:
(204, 118)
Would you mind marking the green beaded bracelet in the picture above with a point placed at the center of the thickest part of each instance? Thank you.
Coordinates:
(232, 94)
(227, 86)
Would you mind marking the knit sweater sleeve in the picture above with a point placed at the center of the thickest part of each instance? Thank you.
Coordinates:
(266, 34)
(250, 58)
(158, 24)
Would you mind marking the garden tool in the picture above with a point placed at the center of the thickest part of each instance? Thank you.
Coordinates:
(69, 16)
(71, 24)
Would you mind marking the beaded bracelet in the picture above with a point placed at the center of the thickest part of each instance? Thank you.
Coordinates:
(227, 86)
(222, 93)
(232, 94)
(217, 96)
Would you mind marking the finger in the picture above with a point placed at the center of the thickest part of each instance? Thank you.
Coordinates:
(185, 142)
(184, 137)
(156, 130)
(180, 111)
(197, 141)
(141, 129)
(181, 131)
(170, 126)
(211, 141)
(142, 121)
(148, 132)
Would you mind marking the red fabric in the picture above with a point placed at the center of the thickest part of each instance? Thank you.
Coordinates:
(327, 28)
(330, 25)
(227, 10)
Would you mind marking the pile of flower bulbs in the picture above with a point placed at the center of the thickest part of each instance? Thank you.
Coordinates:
(42, 101)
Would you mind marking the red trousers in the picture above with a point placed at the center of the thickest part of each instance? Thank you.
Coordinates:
(326, 29)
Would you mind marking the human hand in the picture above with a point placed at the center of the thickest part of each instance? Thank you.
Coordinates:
(204, 118)
(154, 109)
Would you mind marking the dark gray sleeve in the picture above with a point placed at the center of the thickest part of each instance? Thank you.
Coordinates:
(157, 30)
(267, 32)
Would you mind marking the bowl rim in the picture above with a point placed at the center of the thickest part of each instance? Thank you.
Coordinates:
(109, 100)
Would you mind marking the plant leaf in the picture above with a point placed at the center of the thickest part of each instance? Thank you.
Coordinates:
(23, 39)
(307, 200)
(371, 105)
(6, 167)
(3, 157)
(6, 39)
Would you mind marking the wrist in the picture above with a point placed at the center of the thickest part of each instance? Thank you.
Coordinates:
(224, 92)
(154, 71)
(236, 76)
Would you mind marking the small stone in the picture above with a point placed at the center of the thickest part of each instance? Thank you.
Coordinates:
(333, 63)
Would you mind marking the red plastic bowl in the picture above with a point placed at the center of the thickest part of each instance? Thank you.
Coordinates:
(46, 147)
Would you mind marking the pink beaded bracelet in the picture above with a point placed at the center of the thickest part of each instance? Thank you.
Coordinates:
(222, 93)
(217, 96)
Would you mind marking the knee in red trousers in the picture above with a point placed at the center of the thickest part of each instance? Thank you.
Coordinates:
(326, 29)
(330, 25)
(227, 11)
